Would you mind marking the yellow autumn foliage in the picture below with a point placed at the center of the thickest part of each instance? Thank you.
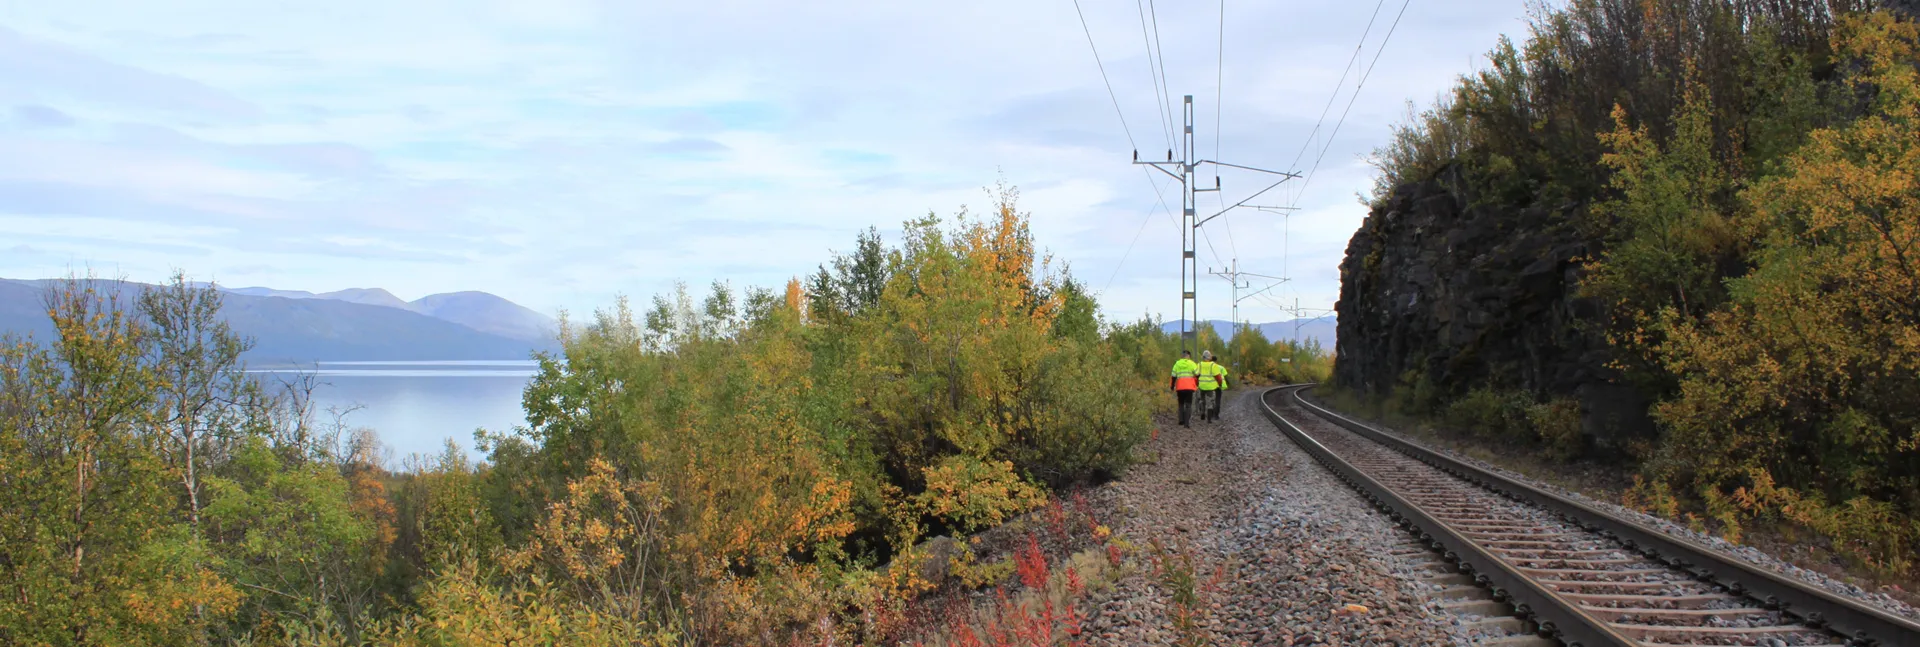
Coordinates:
(970, 494)
(1803, 396)
(767, 454)
(746, 468)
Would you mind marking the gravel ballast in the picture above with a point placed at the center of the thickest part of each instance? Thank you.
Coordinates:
(1746, 554)
(1300, 558)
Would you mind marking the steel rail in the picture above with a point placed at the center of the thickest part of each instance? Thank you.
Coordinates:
(1861, 624)
(1552, 616)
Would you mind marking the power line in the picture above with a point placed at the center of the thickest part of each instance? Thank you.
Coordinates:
(1156, 70)
(1219, 81)
(1162, 196)
(1219, 95)
(1362, 82)
(1103, 76)
(1190, 230)
(1228, 221)
(1182, 168)
(1237, 279)
(1356, 95)
(1155, 46)
(1335, 94)
(1166, 89)
(1276, 303)
(1166, 122)
(1123, 257)
(1131, 142)
(1210, 249)
(1157, 190)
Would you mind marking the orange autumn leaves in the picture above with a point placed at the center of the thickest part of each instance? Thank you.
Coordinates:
(784, 446)
(710, 471)
(957, 335)
(1797, 392)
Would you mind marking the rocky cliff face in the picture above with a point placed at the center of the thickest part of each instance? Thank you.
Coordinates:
(1438, 287)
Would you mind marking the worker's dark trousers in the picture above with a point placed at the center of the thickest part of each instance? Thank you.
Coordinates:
(1212, 398)
(1186, 407)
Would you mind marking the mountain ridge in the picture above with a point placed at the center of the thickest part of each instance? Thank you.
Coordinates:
(308, 329)
(474, 309)
(369, 296)
(487, 313)
(1321, 329)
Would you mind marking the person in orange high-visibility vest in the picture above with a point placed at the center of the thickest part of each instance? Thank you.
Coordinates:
(1186, 378)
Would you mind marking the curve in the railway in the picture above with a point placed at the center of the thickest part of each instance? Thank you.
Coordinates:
(1576, 574)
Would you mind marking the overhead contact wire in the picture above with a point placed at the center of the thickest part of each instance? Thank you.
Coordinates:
(1335, 94)
(1103, 75)
(1219, 94)
(1166, 122)
(1356, 95)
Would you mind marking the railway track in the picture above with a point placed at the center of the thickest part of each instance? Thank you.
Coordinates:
(1572, 573)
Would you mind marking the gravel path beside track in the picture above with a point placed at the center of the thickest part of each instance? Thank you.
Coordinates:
(1293, 545)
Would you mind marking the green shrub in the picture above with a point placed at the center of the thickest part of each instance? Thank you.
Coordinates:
(1557, 425)
(925, 387)
(1491, 414)
(1090, 421)
(709, 471)
(969, 494)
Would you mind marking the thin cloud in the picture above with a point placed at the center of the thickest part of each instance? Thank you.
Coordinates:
(36, 68)
(37, 116)
(558, 153)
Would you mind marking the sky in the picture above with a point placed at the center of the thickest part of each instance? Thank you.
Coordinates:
(561, 153)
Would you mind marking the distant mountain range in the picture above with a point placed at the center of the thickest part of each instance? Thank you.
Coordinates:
(1320, 328)
(477, 310)
(359, 324)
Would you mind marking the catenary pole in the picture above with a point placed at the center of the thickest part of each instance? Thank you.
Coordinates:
(1182, 169)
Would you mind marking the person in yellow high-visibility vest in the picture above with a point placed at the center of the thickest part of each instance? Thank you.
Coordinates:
(1186, 378)
(1213, 381)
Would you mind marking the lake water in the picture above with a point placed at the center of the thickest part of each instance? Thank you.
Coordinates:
(417, 406)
